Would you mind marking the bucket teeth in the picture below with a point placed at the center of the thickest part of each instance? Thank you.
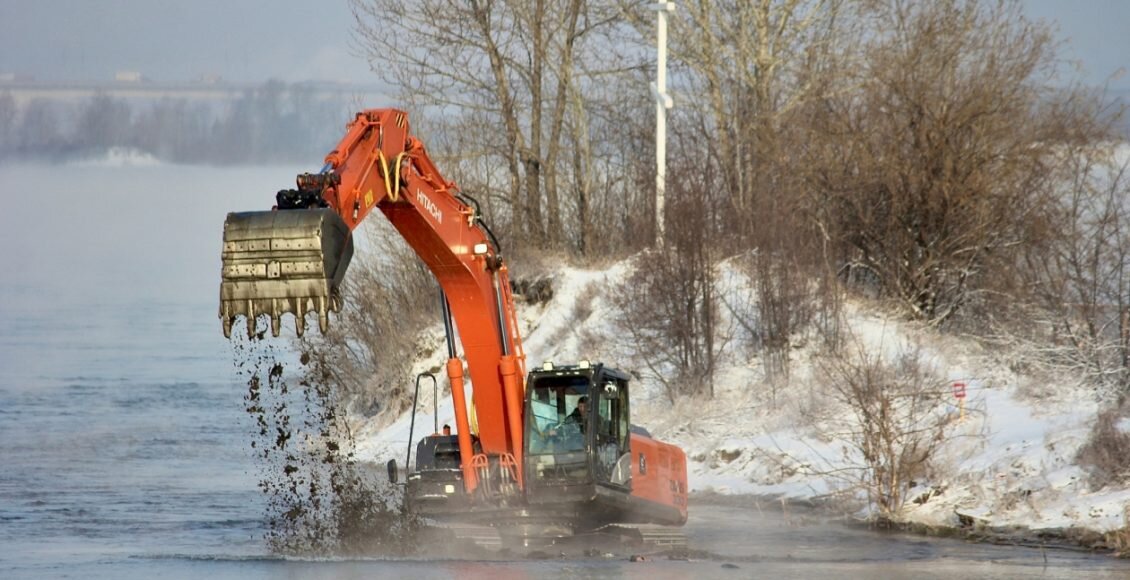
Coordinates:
(323, 315)
(279, 262)
(251, 318)
(300, 318)
(252, 310)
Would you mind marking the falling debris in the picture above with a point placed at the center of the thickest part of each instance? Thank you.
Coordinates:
(319, 500)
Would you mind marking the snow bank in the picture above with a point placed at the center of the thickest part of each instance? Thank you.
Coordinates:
(1010, 462)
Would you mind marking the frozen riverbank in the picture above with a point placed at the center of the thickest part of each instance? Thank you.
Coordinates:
(1009, 464)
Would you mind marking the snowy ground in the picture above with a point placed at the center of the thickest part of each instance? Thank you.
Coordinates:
(1008, 463)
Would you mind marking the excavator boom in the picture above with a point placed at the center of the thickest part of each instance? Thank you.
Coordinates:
(293, 259)
(525, 452)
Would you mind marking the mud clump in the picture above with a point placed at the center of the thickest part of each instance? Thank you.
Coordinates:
(320, 501)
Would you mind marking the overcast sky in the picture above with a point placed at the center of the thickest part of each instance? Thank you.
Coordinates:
(177, 40)
(254, 40)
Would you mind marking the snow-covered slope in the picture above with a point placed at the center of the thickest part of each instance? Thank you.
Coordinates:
(1009, 462)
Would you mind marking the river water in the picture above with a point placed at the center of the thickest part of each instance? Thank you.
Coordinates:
(124, 445)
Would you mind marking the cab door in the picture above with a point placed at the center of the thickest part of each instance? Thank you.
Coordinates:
(612, 456)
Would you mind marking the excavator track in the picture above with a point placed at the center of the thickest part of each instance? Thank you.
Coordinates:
(483, 537)
(651, 535)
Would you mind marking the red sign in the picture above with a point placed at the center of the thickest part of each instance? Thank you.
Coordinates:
(959, 390)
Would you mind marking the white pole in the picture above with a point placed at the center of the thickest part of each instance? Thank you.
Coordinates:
(663, 102)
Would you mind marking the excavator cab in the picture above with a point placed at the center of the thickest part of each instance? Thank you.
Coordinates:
(584, 457)
(577, 433)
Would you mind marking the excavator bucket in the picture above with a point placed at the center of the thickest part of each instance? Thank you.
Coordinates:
(282, 261)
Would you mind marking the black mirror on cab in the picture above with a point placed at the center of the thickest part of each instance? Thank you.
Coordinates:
(393, 473)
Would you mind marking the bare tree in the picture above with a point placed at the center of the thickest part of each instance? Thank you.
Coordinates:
(934, 171)
(174, 129)
(389, 300)
(40, 128)
(1079, 275)
(1107, 450)
(742, 71)
(741, 68)
(104, 122)
(895, 422)
(8, 113)
(511, 73)
(779, 308)
(669, 306)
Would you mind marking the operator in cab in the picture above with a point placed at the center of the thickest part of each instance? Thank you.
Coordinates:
(580, 414)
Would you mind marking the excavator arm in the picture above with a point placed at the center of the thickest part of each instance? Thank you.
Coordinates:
(293, 259)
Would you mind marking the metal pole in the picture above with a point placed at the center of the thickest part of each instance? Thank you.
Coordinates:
(412, 429)
(412, 424)
(501, 314)
(448, 332)
(663, 102)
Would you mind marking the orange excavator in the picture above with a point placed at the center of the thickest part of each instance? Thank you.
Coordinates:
(549, 455)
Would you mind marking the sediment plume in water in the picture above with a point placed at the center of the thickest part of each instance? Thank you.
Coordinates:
(320, 501)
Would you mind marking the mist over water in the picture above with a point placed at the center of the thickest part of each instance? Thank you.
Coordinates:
(126, 439)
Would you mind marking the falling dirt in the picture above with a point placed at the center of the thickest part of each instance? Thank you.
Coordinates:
(320, 501)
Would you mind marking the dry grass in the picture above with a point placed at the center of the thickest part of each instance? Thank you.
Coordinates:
(1107, 450)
